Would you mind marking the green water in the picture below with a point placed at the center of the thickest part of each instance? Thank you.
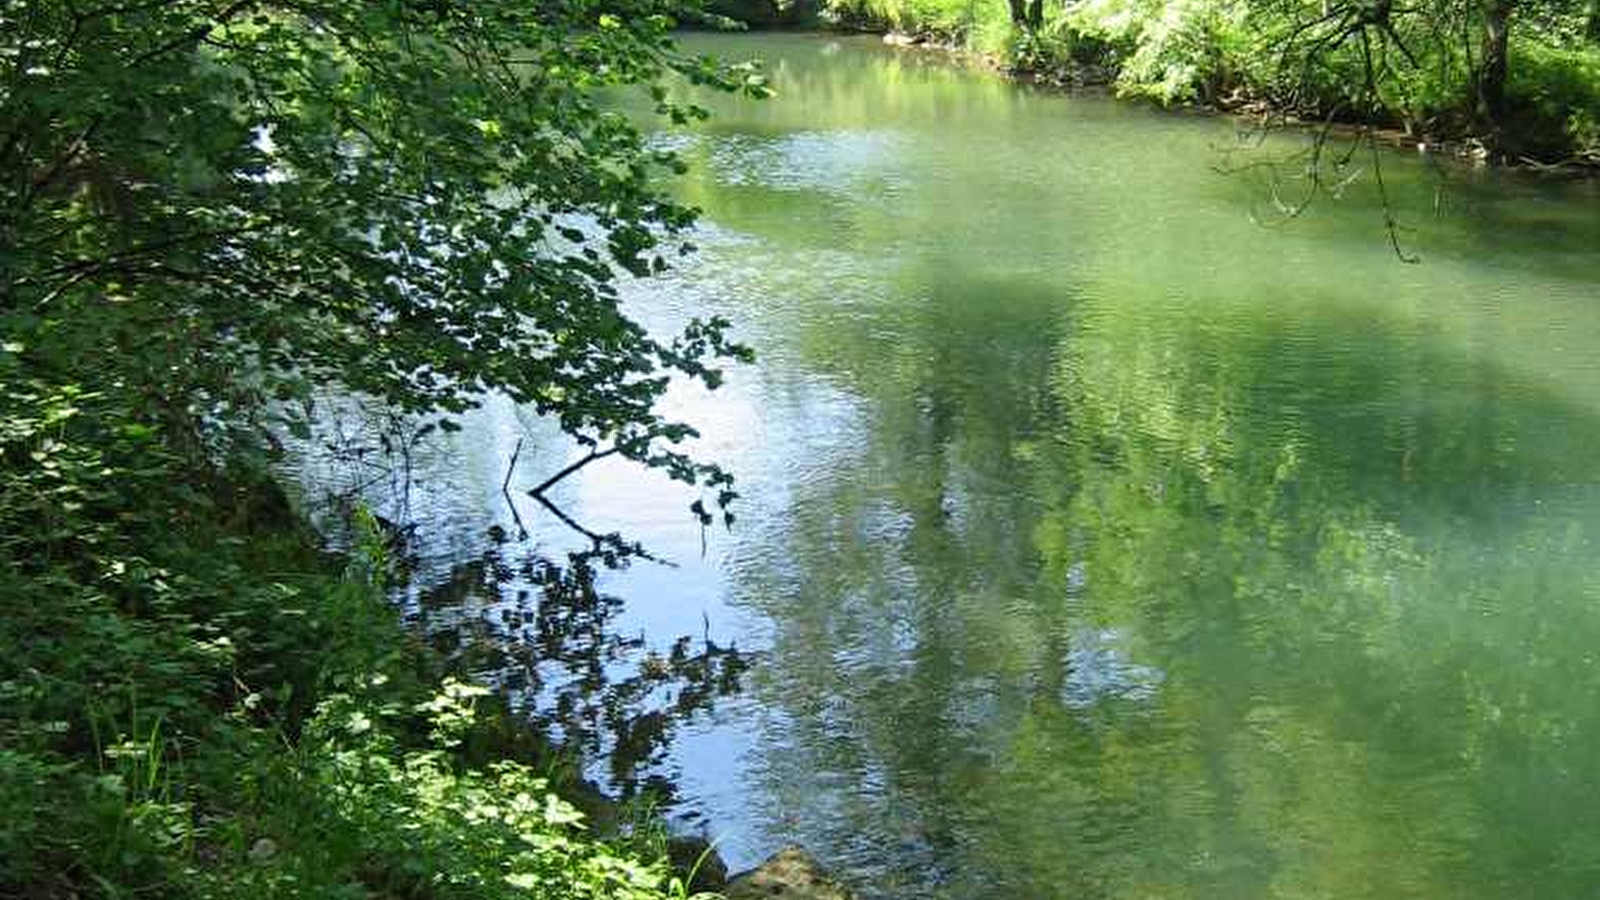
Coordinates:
(1102, 541)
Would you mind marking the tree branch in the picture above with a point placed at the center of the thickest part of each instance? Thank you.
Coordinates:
(194, 36)
(511, 468)
(553, 479)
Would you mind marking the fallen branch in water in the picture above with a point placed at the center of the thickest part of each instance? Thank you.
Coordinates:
(505, 492)
(571, 522)
(610, 546)
(553, 479)
(511, 468)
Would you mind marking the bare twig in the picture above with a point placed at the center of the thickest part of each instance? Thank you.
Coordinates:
(511, 467)
(505, 492)
(1389, 222)
(553, 479)
(570, 522)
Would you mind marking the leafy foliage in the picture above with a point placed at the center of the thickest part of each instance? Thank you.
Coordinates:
(1556, 92)
(1423, 66)
(278, 741)
(217, 206)
(1173, 51)
(210, 213)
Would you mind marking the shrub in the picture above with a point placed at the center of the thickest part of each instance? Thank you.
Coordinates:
(1556, 98)
(1170, 52)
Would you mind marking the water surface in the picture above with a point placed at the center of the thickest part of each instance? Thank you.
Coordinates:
(1099, 540)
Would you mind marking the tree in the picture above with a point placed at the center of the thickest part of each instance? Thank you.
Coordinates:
(1371, 55)
(1027, 14)
(215, 209)
(1494, 62)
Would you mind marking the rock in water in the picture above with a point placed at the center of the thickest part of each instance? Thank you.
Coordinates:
(696, 856)
(791, 874)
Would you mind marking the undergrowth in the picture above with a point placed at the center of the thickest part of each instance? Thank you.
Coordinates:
(1227, 53)
(195, 702)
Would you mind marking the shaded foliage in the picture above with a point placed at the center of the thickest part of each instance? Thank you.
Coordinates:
(218, 206)
(1516, 75)
(211, 215)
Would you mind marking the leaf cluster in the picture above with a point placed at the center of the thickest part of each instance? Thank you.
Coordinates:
(222, 206)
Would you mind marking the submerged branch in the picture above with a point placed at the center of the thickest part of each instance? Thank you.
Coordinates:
(611, 546)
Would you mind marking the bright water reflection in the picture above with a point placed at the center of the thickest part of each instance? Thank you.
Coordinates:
(1100, 542)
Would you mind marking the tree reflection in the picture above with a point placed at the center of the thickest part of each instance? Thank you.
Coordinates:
(544, 634)
(1198, 604)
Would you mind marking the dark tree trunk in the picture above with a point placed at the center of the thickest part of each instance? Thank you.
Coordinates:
(1592, 26)
(1494, 63)
(1027, 14)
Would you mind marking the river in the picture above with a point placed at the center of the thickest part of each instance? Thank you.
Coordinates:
(1099, 537)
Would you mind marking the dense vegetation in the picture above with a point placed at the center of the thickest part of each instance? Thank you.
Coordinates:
(1519, 77)
(215, 212)
(212, 214)
(180, 725)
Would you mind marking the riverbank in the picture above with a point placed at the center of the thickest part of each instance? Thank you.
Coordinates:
(217, 708)
(1218, 58)
(1252, 111)
(197, 250)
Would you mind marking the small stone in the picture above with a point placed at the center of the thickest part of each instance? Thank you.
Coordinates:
(695, 856)
(792, 874)
(263, 849)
